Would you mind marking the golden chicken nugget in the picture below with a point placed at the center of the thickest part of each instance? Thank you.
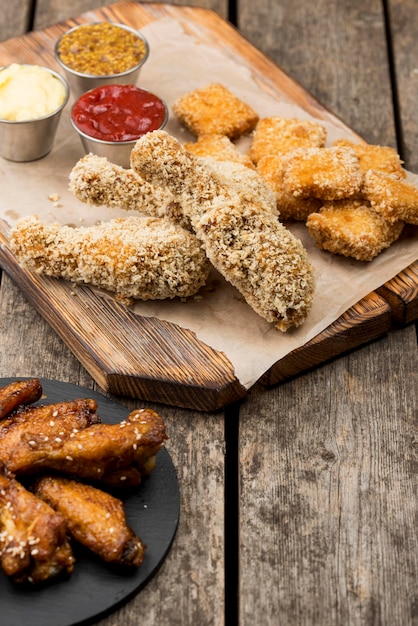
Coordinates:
(214, 109)
(219, 147)
(373, 157)
(324, 173)
(394, 199)
(352, 229)
(289, 207)
(278, 135)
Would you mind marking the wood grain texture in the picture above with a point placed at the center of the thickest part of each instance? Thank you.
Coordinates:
(328, 466)
(15, 18)
(366, 321)
(328, 494)
(184, 371)
(48, 12)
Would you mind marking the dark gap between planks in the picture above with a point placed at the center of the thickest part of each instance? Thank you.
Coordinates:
(393, 81)
(231, 495)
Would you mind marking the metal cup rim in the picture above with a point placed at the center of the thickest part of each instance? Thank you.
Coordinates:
(115, 143)
(132, 69)
(43, 117)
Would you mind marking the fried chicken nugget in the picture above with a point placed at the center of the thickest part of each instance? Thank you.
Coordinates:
(394, 199)
(18, 393)
(94, 518)
(34, 546)
(278, 135)
(375, 157)
(244, 240)
(97, 453)
(289, 206)
(325, 173)
(219, 147)
(136, 257)
(352, 229)
(215, 110)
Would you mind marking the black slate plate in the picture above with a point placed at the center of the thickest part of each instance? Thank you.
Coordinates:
(95, 589)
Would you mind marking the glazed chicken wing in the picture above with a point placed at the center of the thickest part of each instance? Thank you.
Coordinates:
(94, 518)
(33, 542)
(32, 431)
(19, 392)
(101, 452)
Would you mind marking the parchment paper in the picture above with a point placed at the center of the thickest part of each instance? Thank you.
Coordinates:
(218, 315)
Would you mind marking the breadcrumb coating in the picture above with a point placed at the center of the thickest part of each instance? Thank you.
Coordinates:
(215, 110)
(394, 199)
(219, 147)
(278, 135)
(137, 258)
(353, 229)
(244, 241)
(235, 178)
(95, 180)
(290, 207)
(375, 157)
(325, 173)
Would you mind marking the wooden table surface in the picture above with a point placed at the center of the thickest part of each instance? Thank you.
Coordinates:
(298, 505)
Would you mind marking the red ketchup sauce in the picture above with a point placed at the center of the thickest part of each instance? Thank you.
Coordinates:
(118, 113)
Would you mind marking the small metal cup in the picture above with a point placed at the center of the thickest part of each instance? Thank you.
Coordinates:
(80, 83)
(30, 140)
(118, 152)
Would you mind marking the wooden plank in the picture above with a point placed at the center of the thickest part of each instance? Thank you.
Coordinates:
(327, 499)
(15, 17)
(63, 10)
(213, 385)
(366, 321)
(403, 18)
(328, 493)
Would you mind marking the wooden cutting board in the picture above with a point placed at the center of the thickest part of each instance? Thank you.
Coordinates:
(151, 359)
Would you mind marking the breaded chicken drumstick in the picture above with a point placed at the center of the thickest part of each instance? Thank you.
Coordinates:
(243, 239)
(140, 258)
(95, 180)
